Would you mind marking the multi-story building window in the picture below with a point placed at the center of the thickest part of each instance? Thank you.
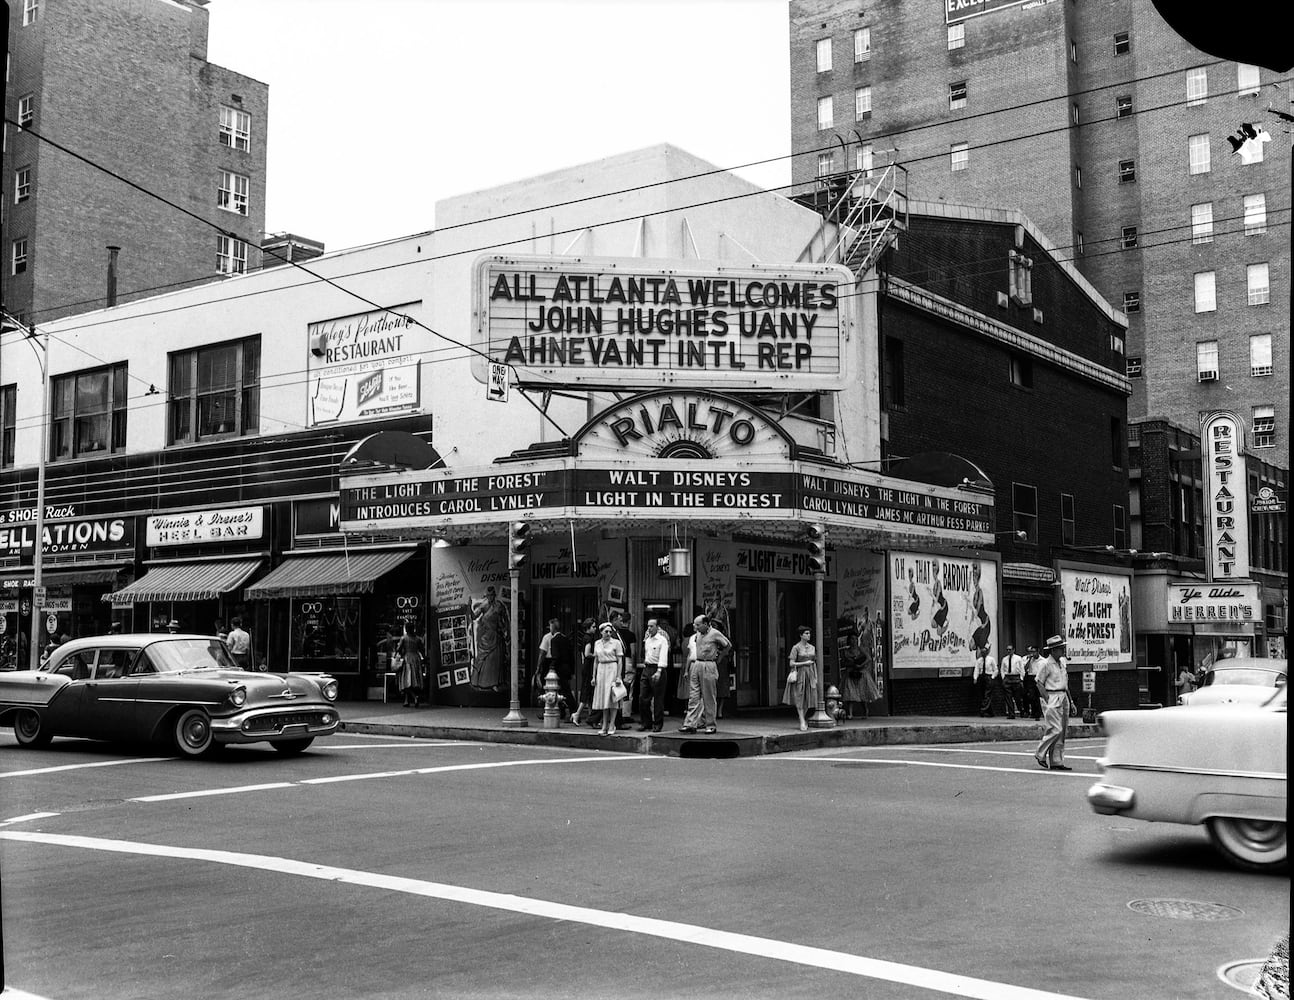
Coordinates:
(1260, 354)
(959, 155)
(1074, 113)
(826, 164)
(30, 12)
(1127, 171)
(1122, 43)
(233, 192)
(214, 392)
(826, 117)
(1264, 426)
(863, 158)
(1206, 298)
(231, 255)
(1198, 153)
(1123, 106)
(1132, 301)
(1134, 367)
(1078, 242)
(1197, 86)
(18, 257)
(862, 44)
(26, 110)
(824, 55)
(1120, 526)
(88, 412)
(956, 95)
(1202, 223)
(1255, 214)
(1206, 360)
(1128, 237)
(1252, 151)
(1073, 52)
(8, 402)
(1020, 371)
(862, 102)
(956, 36)
(1247, 80)
(1078, 176)
(1024, 511)
(235, 128)
(1118, 342)
(21, 185)
(1067, 534)
(1257, 282)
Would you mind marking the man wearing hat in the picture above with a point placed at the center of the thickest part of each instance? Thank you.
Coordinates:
(1053, 684)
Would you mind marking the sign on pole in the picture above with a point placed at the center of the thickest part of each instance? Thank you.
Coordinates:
(497, 386)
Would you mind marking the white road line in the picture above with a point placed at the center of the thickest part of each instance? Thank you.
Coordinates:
(171, 796)
(744, 944)
(786, 758)
(77, 767)
(12, 993)
(26, 819)
(397, 746)
(998, 753)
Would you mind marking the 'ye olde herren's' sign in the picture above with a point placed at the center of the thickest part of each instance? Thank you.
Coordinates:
(1207, 603)
(623, 322)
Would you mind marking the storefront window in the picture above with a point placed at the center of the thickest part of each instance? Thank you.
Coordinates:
(325, 634)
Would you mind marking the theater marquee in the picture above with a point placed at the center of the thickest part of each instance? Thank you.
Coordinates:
(633, 323)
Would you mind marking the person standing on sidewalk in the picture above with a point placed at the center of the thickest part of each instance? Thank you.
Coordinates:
(608, 666)
(1053, 681)
(802, 692)
(653, 678)
(985, 678)
(409, 677)
(702, 693)
(1013, 680)
(240, 644)
(1032, 703)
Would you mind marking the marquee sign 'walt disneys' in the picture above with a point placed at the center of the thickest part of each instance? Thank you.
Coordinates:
(624, 322)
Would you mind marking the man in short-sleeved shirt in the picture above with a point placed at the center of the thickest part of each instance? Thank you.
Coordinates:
(654, 678)
(702, 691)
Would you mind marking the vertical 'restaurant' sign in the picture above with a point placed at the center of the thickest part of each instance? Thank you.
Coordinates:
(1225, 503)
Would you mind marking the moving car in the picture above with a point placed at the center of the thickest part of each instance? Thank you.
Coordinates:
(185, 690)
(1219, 765)
(1244, 680)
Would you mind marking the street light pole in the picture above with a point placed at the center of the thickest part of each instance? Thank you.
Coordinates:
(38, 543)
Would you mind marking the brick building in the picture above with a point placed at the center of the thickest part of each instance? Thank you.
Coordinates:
(127, 87)
(1108, 131)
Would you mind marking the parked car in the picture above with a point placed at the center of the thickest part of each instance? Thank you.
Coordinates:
(1222, 766)
(185, 690)
(1239, 680)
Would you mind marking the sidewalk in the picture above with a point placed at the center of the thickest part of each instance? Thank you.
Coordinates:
(750, 733)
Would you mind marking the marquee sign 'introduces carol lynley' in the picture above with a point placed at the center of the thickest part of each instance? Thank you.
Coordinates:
(624, 322)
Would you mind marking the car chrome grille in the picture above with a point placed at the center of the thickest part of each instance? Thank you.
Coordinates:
(275, 721)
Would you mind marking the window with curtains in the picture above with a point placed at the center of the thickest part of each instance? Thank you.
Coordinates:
(88, 413)
(8, 400)
(214, 392)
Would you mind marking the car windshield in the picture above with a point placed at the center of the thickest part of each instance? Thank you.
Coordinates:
(176, 655)
(1254, 676)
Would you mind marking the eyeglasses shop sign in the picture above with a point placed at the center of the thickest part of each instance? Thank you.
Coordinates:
(196, 527)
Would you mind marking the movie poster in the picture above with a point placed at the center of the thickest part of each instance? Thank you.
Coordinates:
(941, 608)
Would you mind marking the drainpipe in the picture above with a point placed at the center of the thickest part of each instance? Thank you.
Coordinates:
(112, 275)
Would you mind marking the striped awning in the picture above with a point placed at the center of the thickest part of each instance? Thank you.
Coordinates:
(346, 572)
(189, 581)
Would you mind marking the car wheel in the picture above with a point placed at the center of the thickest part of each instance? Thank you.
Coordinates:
(1249, 843)
(192, 733)
(292, 747)
(29, 730)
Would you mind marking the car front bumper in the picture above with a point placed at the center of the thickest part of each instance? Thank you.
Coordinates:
(260, 724)
(1109, 800)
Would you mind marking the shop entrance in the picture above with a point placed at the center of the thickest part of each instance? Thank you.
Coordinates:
(750, 639)
(569, 605)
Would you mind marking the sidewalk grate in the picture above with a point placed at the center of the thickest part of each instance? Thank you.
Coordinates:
(1185, 909)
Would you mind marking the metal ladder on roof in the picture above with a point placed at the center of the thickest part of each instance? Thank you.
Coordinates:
(870, 208)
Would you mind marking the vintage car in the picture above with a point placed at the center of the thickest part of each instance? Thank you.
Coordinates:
(1243, 680)
(1220, 765)
(184, 690)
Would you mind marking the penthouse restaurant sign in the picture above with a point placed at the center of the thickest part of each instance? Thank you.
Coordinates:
(631, 322)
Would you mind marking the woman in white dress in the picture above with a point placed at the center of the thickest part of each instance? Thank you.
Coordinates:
(608, 665)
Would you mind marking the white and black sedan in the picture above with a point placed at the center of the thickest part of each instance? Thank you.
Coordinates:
(1220, 765)
(183, 690)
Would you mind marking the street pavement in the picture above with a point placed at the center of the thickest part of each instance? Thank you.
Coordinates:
(750, 733)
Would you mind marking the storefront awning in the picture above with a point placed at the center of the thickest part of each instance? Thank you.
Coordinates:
(66, 575)
(346, 572)
(190, 581)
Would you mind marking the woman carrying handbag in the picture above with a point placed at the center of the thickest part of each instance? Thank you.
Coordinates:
(608, 665)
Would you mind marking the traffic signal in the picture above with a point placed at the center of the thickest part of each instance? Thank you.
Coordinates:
(816, 544)
(518, 544)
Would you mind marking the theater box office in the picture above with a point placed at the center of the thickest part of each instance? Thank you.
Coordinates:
(655, 472)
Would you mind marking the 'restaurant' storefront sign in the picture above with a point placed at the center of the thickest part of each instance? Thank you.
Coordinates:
(366, 365)
(1225, 496)
(195, 527)
(1213, 604)
(623, 322)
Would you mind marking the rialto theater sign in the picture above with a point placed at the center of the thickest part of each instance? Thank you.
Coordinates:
(630, 322)
(667, 455)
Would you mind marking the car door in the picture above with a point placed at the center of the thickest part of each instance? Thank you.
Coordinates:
(109, 707)
(65, 712)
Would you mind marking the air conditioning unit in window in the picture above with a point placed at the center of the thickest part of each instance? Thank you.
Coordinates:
(1208, 376)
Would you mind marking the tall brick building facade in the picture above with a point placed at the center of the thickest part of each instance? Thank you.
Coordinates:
(127, 87)
(1108, 131)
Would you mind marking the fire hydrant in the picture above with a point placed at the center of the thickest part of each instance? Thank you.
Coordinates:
(552, 701)
(834, 706)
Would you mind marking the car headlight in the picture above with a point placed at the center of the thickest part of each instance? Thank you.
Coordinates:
(330, 689)
(238, 697)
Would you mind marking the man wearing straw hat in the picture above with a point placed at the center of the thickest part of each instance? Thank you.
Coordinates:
(1053, 685)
